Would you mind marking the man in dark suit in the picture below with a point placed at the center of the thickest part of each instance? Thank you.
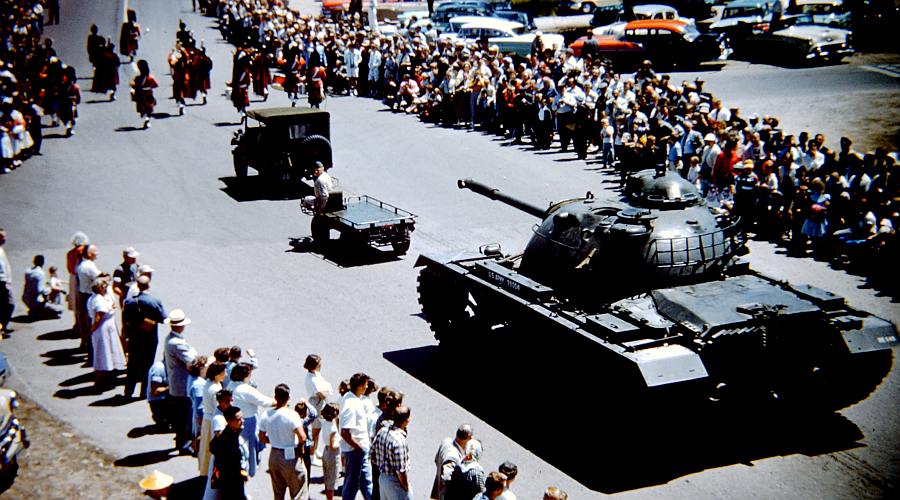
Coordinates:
(141, 316)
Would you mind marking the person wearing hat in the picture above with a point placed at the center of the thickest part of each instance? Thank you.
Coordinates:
(708, 158)
(178, 356)
(141, 316)
(125, 275)
(746, 184)
(322, 188)
(157, 485)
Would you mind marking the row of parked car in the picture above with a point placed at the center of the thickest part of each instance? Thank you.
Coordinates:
(808, 31)
(677, 33)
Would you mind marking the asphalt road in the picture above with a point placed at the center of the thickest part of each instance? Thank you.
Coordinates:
(233, 258)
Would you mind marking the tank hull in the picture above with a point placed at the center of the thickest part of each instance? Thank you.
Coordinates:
(742, 334)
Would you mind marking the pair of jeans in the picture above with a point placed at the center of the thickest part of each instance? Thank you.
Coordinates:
(390, 489)
(357, 474)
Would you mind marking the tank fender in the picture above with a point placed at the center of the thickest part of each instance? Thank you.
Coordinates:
(667, 364)
(448, 257)
(867, 334)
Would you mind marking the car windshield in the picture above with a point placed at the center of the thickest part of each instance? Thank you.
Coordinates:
(742, 12)
(804, 19)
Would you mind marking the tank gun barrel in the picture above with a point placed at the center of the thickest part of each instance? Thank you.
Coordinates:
(496, 194)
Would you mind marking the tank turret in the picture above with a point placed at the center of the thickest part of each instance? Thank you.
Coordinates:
(665, 235)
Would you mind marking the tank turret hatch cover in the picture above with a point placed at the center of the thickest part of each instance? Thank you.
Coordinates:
(727, 303)
(662, 190)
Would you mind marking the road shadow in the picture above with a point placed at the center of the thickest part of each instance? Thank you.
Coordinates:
(146, 458)
(56, 135)
(256, 188)
(148, 430)
(343, 253)
(227, 124)
(189, 489)
(64, 357)
(98, 101)
(84, 378)
(634, 441)
(113, 401)
(162, 115)
(88, 390)
(67, 334)
(129, 128)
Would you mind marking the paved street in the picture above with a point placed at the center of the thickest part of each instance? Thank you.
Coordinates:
(232, 257)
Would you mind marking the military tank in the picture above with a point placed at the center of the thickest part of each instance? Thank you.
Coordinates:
(654, 291)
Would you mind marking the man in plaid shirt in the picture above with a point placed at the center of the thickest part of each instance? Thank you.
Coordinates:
(391, 456)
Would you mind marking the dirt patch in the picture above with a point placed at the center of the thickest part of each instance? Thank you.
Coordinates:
(61, 464)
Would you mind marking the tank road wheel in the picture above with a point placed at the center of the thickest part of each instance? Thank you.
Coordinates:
(316, 148)
(454, 314)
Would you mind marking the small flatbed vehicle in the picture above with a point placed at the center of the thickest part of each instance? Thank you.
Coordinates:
(366, 220)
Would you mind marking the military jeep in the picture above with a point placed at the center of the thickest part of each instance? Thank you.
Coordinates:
(282, 144)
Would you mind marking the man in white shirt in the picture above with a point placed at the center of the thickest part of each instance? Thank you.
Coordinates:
(87, 271)
(322, 188)
(355, 444)
(282, 428)
(317, 391)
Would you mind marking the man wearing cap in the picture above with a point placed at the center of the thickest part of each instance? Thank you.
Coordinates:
(87, 272)
(178, 356)
(321, 189)
(708, 160)
(126, 273)
(282, 428)
(141, 316)
(745, 186)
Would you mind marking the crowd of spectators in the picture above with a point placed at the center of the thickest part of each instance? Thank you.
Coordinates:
(217, 412)
(33, 82)
(790, 188)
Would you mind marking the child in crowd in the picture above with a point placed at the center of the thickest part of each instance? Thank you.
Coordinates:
(309, 415)
(234, 357)
(57, 287)
(332, 450)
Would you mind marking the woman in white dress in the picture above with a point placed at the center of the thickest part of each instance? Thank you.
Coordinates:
(107, 346)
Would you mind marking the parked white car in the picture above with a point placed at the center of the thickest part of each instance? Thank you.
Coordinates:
(804, 40)
(508, 36)
(648, 11)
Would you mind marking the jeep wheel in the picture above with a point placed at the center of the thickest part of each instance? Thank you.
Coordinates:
(401, 247)
(240, 168)
(316, 148)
